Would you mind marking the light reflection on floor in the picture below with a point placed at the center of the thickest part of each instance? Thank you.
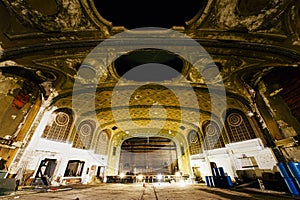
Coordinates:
(139, 191)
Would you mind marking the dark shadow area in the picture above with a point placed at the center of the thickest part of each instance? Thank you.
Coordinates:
(153, 13)
(149, 65)
(252, 194)
(225, 195)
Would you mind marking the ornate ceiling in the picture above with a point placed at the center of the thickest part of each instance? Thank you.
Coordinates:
(245, 39)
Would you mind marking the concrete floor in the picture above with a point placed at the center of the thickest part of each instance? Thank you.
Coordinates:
(136, 191)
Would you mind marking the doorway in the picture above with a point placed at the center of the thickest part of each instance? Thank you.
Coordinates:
(45, 172)
(100, 173)
(197, 174)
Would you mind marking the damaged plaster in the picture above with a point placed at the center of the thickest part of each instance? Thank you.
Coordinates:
(228, 17)
(1, 51)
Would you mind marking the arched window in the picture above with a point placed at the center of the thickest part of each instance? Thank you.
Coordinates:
(102, 143)
(212, 135)
(238, 126)
(84, 134)
(194, 143)
(58, 127)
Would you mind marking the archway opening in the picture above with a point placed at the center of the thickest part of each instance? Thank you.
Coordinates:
(148, 156)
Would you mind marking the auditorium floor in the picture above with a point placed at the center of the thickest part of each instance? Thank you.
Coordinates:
(138, 191)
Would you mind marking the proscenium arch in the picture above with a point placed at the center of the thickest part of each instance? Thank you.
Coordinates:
(142, 38)
(179, 140)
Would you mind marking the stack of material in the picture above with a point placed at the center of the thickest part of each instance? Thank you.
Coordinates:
(219, 179)
(290, 171)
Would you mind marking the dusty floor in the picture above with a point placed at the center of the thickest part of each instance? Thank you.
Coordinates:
(149, 192)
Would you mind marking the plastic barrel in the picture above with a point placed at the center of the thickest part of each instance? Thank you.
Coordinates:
(220, 182)
(229, 181)
(215, 172)
(212, 182)
(283, 170)
(207, 181)
(297, 180)
(221, 171)
(289, 182)
(294, 168)
(217, 182)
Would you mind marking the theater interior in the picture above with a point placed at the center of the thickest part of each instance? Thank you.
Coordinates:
(108, 92)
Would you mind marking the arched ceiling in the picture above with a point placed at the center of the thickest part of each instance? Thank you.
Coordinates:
(245, 37)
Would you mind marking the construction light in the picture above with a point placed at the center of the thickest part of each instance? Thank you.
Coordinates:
(159, 176)
(140, 177)
(122, 175)
(177, 174)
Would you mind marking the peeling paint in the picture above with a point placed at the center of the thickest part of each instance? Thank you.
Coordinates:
(227, 16)
(69, 17)
(8, 84)
(8, 63)
(1, 51)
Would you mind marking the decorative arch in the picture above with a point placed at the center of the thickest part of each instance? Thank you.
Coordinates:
(84, 134)
(194, 142)
(102, 143)
(212, 135)
(59, 126)
(238, 126)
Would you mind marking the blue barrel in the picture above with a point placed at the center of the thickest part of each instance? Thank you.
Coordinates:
(294, 168)
(212, 181)
(283, 170)
(207, 181)
(229, 181)
(297, 180)
(293, 190)
(222, 182)
(215, 172)
(217, 181)
(221, 171)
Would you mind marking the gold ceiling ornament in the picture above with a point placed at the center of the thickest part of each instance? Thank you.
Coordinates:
(155, 108)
